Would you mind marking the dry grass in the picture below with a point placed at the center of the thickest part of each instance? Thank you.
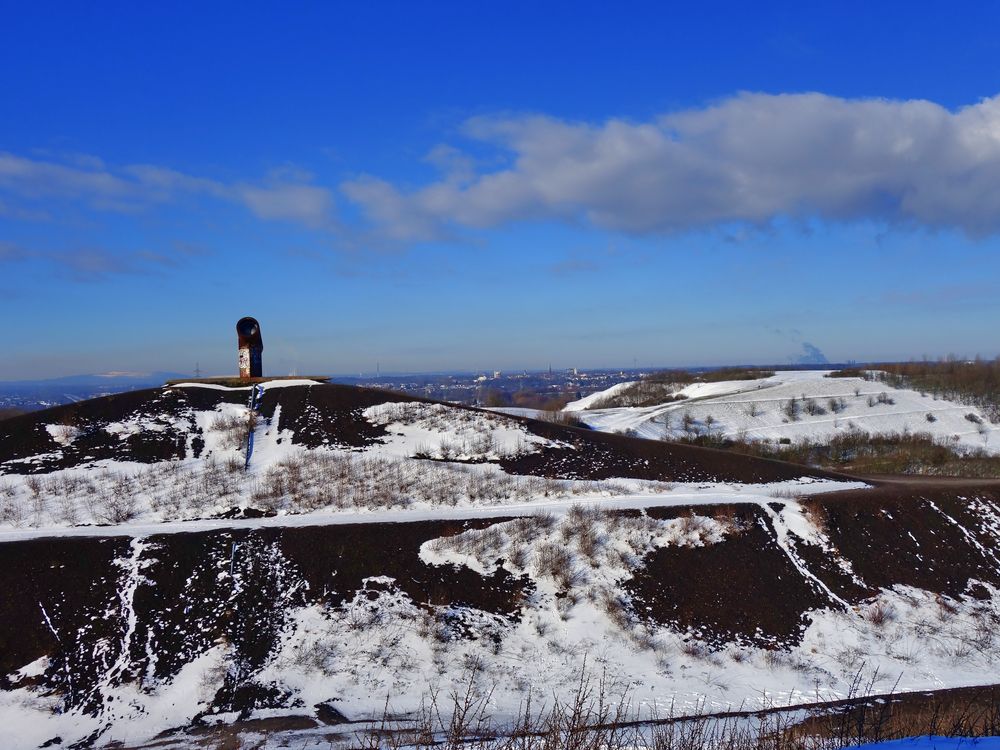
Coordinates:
(600, 715)
(304, 482)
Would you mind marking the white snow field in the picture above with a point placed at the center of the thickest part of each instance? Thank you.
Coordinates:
(756, 409)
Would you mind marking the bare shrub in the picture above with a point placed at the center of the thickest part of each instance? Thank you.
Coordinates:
(792, 409)
(233, 429)
(879, 614)
(773, 658)
(695, 649)
(319, 656)
(727, 518)
(812, 407)
(114, 501)
(784, 494)
(34, 485)
(11, 510)
(68, 511)
(946, 607)
(556, 562)
(692, 524)
(615, 606)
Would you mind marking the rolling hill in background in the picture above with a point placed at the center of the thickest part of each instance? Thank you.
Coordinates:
(785, 406)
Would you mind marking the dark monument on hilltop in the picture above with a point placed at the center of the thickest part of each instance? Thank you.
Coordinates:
(251, 347)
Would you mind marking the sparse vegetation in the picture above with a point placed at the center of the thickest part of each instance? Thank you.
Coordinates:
(850, 372)
(233, 429)
(813, 408)
(526, 399)
(300, 483)
(859, 451)
(641, 393)
(599, 716)
(975, 382)
(792, 409)
(661, 387)
(687, 377)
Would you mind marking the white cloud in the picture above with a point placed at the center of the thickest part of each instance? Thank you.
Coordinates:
(137, 186)
(750, 158)
(747, 159)
(41, 178)
(306, 204)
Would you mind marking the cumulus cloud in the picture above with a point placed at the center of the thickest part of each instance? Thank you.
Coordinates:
(747, 159)
(137, 186)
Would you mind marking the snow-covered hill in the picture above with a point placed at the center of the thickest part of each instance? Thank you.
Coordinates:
(793, 405)
(180, 454)
(379, 550)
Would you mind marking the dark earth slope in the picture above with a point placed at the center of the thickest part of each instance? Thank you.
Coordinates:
(67, 598)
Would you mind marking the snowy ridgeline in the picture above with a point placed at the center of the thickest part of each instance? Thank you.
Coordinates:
(790, 405)
(271, 632)
(433, 460)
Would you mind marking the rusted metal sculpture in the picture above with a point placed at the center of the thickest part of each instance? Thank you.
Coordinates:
(251, 347)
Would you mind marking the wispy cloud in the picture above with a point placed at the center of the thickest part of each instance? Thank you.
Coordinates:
(573, 266)
(95, 264)
(137, 187)
(949, 296)
(11, 253)
(746, 159)
(91, 264)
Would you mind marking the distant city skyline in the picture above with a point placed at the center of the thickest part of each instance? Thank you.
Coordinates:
(453, 186)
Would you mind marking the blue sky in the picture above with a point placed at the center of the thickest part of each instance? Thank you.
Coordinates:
(472, 185)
